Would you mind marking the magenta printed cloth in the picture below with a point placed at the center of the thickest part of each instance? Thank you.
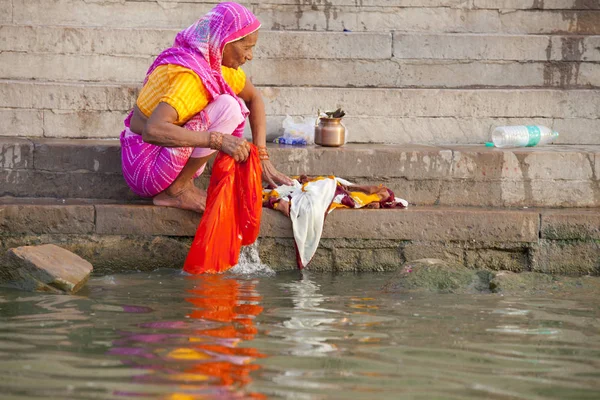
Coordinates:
(149, 169)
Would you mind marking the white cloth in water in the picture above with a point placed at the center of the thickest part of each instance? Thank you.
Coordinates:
(309, 205)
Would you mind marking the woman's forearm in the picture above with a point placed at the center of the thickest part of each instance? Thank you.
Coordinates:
(160, 129)
(166, 134)
(258, 120)
(258, 123)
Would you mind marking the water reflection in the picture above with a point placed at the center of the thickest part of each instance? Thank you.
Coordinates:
(234, 304)
(308, 319)
(164, 336)
(206, 353)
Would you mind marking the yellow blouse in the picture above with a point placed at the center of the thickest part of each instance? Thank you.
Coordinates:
(183, 90)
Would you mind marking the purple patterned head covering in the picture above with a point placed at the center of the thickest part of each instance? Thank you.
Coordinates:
(200, 47)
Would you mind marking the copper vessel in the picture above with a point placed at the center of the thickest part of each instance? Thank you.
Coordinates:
(330, 132)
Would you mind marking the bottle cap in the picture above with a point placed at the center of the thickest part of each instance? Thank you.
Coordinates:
(489, 144)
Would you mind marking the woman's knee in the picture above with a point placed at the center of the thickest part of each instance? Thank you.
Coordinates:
(229, 107)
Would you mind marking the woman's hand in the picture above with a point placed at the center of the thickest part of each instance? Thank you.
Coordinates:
(273, 177)
(236, 147)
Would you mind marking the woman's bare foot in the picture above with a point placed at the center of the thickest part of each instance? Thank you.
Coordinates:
(190, 198)
(201, 196)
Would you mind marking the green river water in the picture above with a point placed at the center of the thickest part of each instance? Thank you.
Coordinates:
(163, 335)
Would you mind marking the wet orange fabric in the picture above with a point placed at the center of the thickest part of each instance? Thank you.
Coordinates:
(232, 216)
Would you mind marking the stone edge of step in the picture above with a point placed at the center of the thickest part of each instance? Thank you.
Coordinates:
(432, 223)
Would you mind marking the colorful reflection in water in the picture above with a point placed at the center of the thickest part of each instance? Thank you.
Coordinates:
(165, 336)
(235, 305)
(207, 352)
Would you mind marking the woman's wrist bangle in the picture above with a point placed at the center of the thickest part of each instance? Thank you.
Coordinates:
(216, 141)
(263, 154)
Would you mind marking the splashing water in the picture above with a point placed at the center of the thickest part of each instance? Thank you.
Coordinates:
(249, 263)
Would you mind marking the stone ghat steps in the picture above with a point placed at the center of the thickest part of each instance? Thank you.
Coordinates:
(149, 42)
(509, 16)
(324, 73)
(549, 176)
(386, 73)
(391, 60)
(397, 116)
(118, 237)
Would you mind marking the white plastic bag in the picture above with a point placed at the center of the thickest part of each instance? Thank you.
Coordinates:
(298, 131)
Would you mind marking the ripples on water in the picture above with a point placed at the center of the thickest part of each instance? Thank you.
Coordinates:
(299, 336)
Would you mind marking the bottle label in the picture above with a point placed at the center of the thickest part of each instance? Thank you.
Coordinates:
(535, 134)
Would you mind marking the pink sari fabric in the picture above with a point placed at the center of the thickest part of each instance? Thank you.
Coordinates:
(149, 169)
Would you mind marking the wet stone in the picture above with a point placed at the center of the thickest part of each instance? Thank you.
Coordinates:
(438, 276)
(321, 261)
(416, 250)
(115, 253)
(497, 260)
(45, 268)
(372, 260)
(278, 253)
(566, 257)
(528, 283)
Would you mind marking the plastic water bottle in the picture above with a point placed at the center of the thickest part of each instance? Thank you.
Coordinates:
(522, 136)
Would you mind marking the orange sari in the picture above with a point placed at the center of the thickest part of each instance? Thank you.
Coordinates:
(232, 216)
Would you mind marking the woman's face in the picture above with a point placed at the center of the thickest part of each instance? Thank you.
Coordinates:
(235, 54)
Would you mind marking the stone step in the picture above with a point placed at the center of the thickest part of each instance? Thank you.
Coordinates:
(432, 16)
(398, 116)
(125, 237)
(149, 42)
(536, 5)
(391, 73)
(312, 45)
(502, 47)
(547, 103)
(547, 176)
(390, 130)
(331, 59)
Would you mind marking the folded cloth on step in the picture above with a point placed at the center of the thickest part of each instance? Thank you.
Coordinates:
(308, 201)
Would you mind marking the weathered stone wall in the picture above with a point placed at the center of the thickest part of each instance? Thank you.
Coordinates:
(407, 71)
(117, 253)
(118, 238)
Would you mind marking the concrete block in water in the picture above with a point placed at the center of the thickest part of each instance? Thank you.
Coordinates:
(45, 268)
